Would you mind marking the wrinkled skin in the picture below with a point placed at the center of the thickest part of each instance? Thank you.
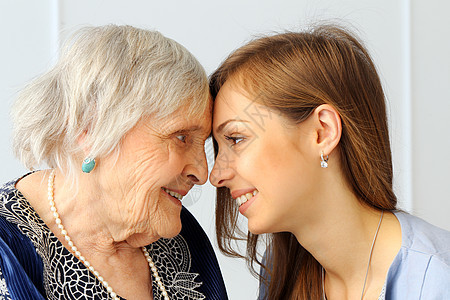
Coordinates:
(168, 153)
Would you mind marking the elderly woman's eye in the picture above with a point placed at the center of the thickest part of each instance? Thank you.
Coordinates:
(182, 138)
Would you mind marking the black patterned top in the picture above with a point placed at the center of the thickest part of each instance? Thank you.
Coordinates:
(35, 265)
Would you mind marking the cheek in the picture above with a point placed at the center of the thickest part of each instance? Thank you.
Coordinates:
(263, 162)
(147, 165)
(175, 161)
(141, 172)
(278, 172)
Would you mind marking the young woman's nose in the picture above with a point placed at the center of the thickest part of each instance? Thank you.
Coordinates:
(221, 172)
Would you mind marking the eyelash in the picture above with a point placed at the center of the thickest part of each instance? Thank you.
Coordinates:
(235, 139)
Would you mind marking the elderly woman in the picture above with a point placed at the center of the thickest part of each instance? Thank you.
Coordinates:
(121, 120)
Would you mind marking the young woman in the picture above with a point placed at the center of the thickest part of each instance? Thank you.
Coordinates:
(303, 153)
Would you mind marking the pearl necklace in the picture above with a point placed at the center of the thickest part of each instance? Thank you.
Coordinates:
(76, 252)
(324, 297)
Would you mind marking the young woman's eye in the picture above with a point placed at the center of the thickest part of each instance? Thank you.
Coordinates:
(234, 140)
(182, 138)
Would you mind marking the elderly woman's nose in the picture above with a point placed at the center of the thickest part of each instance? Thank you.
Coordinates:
(221, 172)
(197, 169)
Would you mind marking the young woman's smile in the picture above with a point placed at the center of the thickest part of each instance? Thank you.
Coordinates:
(262, 159)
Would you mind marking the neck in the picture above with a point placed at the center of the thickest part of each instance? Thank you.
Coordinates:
(341, 239)
(339, 234)
(119, 262)
(93, 221)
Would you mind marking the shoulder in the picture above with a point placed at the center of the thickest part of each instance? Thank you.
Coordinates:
(194, 234)
(14, 209)
(20, 264)
(7, 191)
(422, 266)
(204, 261)
(189, 220)
(422, 237)
(20, 267)
(9, 196)
(193, 266)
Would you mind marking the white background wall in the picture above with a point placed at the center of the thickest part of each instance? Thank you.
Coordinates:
(407, 38)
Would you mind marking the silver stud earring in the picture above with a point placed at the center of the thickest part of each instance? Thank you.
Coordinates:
(323, 161)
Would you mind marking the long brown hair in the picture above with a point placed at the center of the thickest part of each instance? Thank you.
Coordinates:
(293, 73)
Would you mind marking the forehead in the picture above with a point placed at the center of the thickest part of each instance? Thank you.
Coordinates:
(179, 121)
(231, 99)
(234, 105)
(200, 120)
(233, 102)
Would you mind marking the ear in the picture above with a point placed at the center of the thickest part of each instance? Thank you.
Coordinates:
(328, 128)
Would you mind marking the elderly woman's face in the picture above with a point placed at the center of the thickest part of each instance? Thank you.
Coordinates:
(159, 162)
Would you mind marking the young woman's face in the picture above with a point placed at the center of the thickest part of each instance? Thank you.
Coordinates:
(265, 160)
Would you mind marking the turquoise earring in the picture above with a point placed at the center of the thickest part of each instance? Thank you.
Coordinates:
(88, 165)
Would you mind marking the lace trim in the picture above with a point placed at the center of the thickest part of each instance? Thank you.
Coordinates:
(4, 293)
(65, 277)
(175, 268)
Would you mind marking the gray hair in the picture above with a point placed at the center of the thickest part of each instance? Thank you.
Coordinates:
(106, 79)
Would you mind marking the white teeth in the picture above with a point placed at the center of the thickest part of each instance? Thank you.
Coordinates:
(173, 194)
(244, 198)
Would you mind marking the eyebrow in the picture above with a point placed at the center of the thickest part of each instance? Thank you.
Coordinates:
(221, 126)
(190, 129)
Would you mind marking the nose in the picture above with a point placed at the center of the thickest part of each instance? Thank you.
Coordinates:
(197, 170)
(221, 172)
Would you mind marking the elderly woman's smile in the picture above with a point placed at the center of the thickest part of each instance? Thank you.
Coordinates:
(134, 112)
(158, 163)
(174, 194)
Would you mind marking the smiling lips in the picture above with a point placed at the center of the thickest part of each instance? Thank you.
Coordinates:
(172, 193)
(239, 200)
(245, 197)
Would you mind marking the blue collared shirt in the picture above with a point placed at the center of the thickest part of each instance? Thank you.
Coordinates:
(421, 269)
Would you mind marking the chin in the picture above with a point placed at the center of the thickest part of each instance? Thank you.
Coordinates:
(172, 229)
(258, 228)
